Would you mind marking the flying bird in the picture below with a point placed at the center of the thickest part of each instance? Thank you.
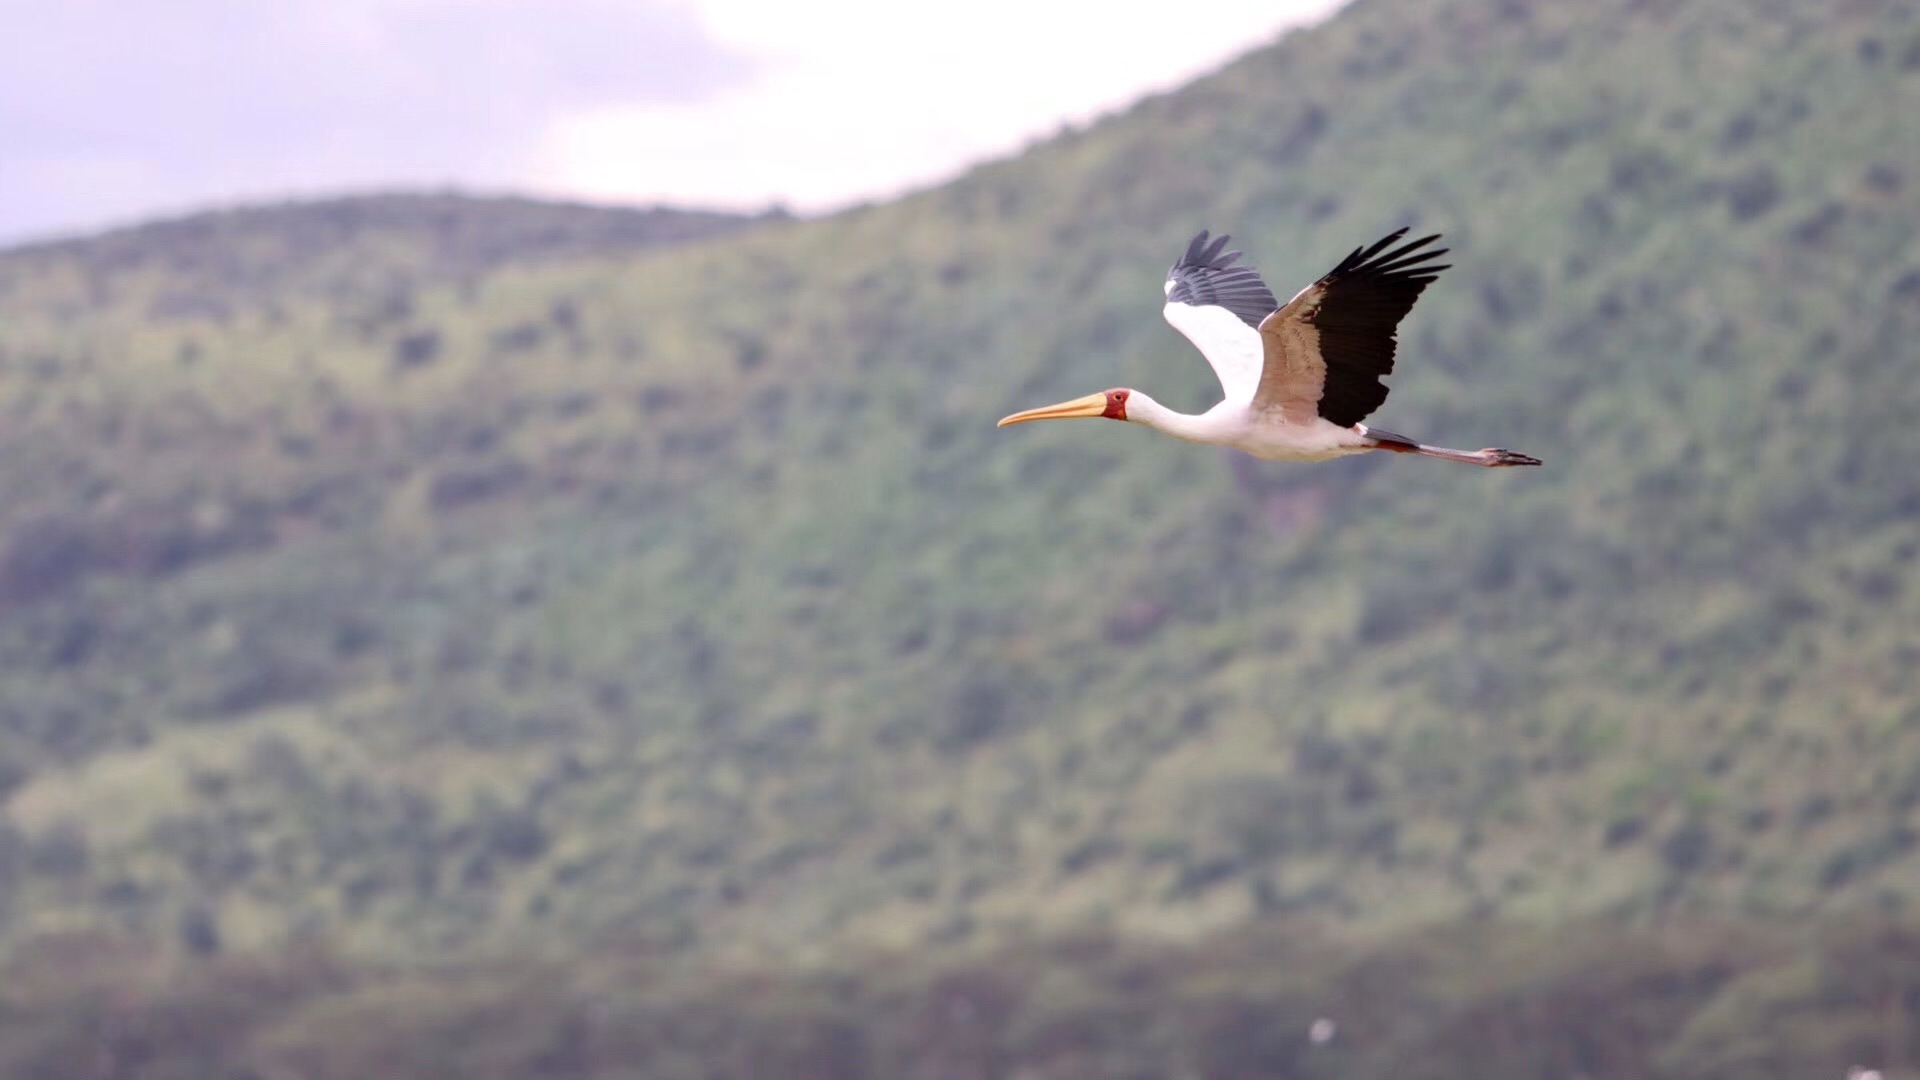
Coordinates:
(1299, 379)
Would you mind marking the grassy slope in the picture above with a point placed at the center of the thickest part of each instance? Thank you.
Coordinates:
(691, 594)
(1692, 1001)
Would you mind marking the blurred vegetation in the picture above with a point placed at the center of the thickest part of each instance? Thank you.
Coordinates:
(1698, 1001)
(438, 579)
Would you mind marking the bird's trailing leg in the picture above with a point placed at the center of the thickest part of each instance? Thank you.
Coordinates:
(1492, 457)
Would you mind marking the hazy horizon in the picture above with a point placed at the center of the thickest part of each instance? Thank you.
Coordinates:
(724, 104)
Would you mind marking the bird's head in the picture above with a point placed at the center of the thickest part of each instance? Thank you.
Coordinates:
(1111, 404)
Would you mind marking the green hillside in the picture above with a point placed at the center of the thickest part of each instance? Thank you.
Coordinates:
(439, 589)
(1690, 1001)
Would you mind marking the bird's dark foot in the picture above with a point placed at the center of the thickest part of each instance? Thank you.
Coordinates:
(1496, 458)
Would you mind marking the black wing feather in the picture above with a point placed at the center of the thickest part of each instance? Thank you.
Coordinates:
(1363, 300)
(1205, 276)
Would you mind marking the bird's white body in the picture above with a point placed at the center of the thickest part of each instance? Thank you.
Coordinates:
(1297, 378)
(1238, 355)
(1242, 426)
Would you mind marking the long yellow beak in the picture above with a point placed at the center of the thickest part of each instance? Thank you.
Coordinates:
(1091, 405)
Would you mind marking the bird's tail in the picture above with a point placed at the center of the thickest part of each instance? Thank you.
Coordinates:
(1492, 457)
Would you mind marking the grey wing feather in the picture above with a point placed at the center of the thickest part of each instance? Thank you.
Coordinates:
(1205, 275)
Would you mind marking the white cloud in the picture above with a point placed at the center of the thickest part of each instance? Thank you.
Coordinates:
(113, 109)
(858, 99)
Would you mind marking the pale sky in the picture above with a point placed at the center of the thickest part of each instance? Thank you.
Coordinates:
(116, 110)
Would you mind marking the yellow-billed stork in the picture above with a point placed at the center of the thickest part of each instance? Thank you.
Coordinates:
(1300, 378)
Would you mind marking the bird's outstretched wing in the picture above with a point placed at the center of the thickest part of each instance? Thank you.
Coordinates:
(1326, 351)
(1219, 306)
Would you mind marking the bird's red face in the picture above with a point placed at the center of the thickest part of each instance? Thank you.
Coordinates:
(1111, 405)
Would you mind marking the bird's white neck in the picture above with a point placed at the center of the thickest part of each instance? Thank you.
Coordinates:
(1206, 427)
